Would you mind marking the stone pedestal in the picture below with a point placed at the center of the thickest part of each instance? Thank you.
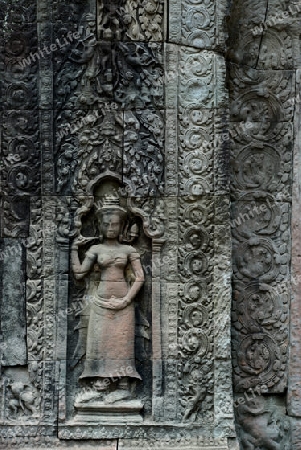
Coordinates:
(121, 412)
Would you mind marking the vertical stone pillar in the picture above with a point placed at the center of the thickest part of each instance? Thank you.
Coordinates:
(294, 369)
(13, 304)
(195, 61)
(158, 377)
(262, 85)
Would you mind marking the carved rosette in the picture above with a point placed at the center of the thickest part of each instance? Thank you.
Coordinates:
(202, 172)
(195, 323)
(198, 23)
(261, 160)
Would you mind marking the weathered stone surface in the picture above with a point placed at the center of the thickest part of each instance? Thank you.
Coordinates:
(149, 153)
(12, 305)
(179, 444)
(262, 422)
(55, 444)
(115, 103)
(263, 92)
(294, 372)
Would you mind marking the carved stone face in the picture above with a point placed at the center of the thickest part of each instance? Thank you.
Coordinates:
(197, 318)
(197, 265)
(111, 225)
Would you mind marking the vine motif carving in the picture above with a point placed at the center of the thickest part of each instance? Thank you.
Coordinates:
(260, 336)
(100, 79)
(261, 189)
(35, 300)
(195, 323)
(21, 162)
(130, 19)
(196, 129)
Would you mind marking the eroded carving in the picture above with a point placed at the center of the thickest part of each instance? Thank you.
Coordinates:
(111, 323)
(195, 323)
(22, 398)
(130, 19)
(260, 425)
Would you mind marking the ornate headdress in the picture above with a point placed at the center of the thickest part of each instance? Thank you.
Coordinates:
(111, 202)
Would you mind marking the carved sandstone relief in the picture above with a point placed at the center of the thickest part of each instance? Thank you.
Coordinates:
(112, 119)
(195, 323)
(261, 136)
(261, 423)
(19, 130)
(111, 322)
(262, 91)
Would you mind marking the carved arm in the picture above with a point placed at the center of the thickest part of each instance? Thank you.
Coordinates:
(139, 280)
(81, 270)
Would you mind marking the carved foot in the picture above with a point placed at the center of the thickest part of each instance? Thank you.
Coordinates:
(119, 394)
(87, 396)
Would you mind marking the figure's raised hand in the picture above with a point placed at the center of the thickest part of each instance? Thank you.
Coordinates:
(80, 241)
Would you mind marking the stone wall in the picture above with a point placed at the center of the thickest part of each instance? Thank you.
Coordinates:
(149, 153)
(263, 59)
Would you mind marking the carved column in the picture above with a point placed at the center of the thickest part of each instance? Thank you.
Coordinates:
(157, 400)
(262, 86)
(294, 388)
